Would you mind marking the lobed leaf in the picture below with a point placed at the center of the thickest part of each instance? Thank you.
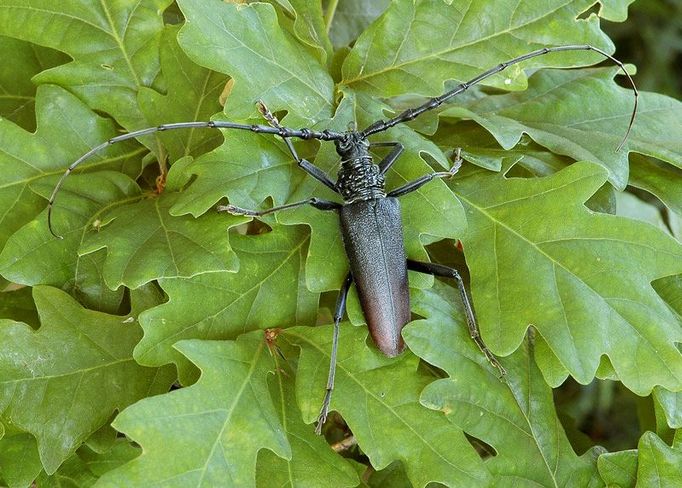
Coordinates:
(514, 415)
(619, 468)
(352, 17)
(308, 26)
(64, 381)
(312, 463)
(213, 423)
(114, 47)
(658, 463)
(33, 256)
(590, 123)
(84, 468)
(19, 459)
(378, 398)
(399, 54)
(268, 291)
(659, 179)
(245, 42)
(538, 257)
(22, 61)
(192, 93)
(144, 243)
(26, 159)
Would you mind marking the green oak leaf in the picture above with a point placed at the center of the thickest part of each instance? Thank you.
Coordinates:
(265, 62)
(632, 207)
(671, 404)
(192, 93)
(538, 257)
(19, 459)
(525, 159)
(145, 243)
(67, 128)
(399, 53)
(482, 149)
(268, 291)
(531, 448)
(64, 381)
(351, 18)
(247, 168)
(304, 18)
(118, 454)
(378, 398)
(659, 464)
(312, 463)
(618, 469)
(614, 10)
(658, 179)
(213, 425)
(114, 47)
(85, 467)
(391, 477)
(22, 60)
(33, 256)
(593, 119)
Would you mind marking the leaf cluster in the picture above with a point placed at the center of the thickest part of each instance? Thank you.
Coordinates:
(161, 343)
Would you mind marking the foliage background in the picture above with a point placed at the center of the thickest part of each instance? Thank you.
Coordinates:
(132, 352)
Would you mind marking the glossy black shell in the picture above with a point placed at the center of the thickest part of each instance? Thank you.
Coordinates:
(373, 238)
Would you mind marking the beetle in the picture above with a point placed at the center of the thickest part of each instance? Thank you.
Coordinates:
(369, 215)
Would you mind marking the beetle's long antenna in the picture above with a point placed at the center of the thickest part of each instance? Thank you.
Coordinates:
(432, 103)
(325, 135)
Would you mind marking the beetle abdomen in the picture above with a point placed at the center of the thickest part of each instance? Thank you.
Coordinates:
(373, 238)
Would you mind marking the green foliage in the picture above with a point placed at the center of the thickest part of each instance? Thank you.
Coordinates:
(152, 290)
(513, 416)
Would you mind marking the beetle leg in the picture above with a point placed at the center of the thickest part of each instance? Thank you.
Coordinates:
(422, 180)
(448, 272)
(338, 315)
(388, 161)
(304, 164)
(315, 202)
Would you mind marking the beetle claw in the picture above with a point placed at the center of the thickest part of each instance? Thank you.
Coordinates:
(456, 163)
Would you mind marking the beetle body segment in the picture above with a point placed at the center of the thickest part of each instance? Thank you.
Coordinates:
(373, 239)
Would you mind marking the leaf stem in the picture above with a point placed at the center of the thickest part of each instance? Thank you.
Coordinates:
(329, 14)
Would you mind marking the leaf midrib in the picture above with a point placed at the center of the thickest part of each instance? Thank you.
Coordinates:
(230, 411)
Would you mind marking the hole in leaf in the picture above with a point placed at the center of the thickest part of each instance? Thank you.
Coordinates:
(483, 449)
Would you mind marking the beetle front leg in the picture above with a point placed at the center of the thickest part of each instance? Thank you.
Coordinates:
(388, 161)
(422, 180)
(304, 164)
(315, 202)
(448, 272)
(338, 315)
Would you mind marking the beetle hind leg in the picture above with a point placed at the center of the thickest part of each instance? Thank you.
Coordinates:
(338, 315)
(448, 272)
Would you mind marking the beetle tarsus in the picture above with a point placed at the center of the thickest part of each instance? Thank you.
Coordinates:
(324, 412)
(456, 163)
(234, 210)
(495, 363)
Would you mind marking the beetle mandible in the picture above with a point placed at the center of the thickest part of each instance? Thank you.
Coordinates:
(369, 215)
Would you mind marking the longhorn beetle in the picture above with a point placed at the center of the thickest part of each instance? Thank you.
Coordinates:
(369, 215)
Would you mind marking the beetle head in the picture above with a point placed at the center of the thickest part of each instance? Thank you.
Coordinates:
(352, 146)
